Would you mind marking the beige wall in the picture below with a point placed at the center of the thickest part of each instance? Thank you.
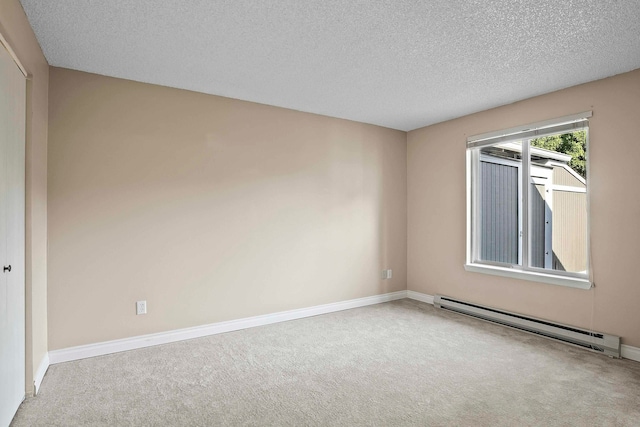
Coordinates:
(214, 209)
(210, 209)
(16, 30)
(437, 215)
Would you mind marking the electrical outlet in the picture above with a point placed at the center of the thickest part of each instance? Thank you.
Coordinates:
(141, 307)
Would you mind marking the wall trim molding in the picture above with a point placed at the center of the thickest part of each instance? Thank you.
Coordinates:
(4, 42)
(418, 296)
(125, 344)
(42, 370)
(630, 352)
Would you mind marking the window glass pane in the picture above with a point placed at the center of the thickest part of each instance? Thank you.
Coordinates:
(499, 202)
(558, 202)
(538, 221)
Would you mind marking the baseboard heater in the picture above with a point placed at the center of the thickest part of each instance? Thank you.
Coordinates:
(594, 341)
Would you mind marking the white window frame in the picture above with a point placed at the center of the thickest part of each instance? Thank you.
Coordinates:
(523, 270)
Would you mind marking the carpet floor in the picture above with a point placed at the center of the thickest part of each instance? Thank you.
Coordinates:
(402, 363)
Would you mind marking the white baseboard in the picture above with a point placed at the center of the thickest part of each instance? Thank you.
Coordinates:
(109, 347)
(418, 296)
(629, 352)
(42, 369)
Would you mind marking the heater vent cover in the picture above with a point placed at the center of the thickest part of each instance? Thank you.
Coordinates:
(594, 341)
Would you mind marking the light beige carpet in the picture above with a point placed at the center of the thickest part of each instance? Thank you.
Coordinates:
(394, 364)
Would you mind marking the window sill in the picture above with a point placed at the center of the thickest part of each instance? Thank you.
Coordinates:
(572, 282)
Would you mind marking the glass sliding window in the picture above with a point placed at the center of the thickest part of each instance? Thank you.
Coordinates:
(527, 202)
(558, 205)
(500, 203)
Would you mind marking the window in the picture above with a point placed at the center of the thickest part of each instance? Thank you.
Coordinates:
(527, 202)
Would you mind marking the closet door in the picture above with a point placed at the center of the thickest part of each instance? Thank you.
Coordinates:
(12, 235)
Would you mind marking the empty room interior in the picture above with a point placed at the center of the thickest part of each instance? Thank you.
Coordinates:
(319, 213)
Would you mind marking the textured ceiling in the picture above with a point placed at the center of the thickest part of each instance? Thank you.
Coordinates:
(396, 63)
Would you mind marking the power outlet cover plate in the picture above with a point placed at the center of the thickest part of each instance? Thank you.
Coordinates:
(141, 307)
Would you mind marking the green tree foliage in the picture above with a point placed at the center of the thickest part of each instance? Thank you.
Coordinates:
(573, 144)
